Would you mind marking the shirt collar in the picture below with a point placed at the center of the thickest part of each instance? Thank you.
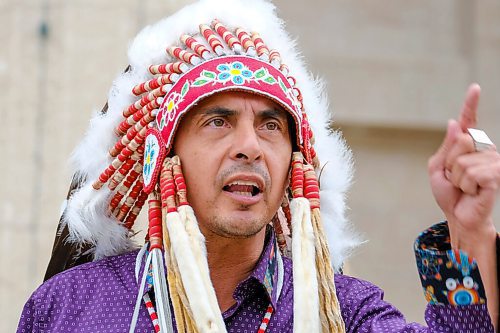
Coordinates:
(265, 272)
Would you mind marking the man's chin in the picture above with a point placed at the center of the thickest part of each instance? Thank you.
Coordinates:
(236, 228)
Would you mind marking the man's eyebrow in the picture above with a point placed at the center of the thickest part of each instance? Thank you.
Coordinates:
(218, 111)
(273, 113)
(226, 112)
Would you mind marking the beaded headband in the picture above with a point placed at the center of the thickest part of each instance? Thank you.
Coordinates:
(227, 73)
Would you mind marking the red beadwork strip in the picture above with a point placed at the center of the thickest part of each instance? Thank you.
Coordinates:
(155, 224)
(127, 123)
(145, 100)
(286, 210)
(211, 38)
(245, 39)
(167, 187)
(259, 45)
(183, 55)
(194, 45)
(266, 319)
(122, 172)
(123, 189)
(130, 199)
(280, 236)
(311, 188)
(275, 58)
(157, 82)
(227, 35)
(292, 80)
(104, 177)
(297, 176)
(180, 185)
(136, 209)
(132, 133)
(152, 312)
(313, 153)
(174, 67)
(284, 69)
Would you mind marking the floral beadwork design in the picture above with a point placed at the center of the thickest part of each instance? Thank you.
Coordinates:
(150, 156)
(171, 105)
(235, 72)
(229, 73)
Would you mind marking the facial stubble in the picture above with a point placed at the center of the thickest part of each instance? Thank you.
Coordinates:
(229, 228)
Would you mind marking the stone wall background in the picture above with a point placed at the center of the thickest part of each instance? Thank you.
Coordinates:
(396, 71)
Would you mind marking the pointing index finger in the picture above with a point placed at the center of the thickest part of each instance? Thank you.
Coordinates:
(468, 116)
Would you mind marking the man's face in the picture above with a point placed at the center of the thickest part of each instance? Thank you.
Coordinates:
(235, 151)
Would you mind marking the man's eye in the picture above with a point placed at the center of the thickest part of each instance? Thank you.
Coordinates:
(271, 126)
(217, 122)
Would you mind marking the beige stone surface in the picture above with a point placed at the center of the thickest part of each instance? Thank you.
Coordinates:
(391, 204)
(396, 71)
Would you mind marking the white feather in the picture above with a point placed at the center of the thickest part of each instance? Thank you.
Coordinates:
(88, 222)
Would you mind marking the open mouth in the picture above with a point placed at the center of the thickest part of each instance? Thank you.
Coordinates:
(245, 188)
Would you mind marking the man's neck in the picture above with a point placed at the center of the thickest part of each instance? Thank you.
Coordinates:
(232, 260)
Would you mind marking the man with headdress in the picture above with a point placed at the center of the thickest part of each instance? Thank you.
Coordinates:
(247, 121)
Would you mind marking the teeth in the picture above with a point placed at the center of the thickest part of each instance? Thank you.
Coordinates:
(244, 182)
(246, 194)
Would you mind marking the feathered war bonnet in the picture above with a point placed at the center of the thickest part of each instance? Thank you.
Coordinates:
(125, 162)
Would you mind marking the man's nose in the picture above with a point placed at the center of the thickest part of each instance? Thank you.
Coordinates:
(246, 145)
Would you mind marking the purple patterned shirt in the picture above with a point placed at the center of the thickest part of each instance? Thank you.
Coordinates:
(100, 297)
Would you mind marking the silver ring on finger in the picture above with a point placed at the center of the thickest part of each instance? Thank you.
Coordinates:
(480, 139)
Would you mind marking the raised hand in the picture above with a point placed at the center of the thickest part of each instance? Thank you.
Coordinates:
(465, 184)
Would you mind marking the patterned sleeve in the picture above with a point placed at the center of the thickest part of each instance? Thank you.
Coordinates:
(452, 285)
(450, 278)
(365, 310)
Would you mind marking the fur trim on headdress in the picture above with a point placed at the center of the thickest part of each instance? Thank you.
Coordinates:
(86, 214)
